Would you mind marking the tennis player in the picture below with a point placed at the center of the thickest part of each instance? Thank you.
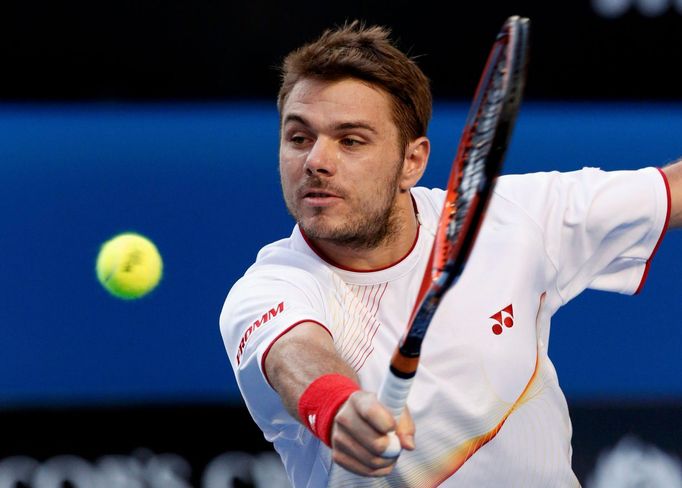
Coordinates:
(310, 327)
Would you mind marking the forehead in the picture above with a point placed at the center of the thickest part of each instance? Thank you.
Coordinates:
(338, 101)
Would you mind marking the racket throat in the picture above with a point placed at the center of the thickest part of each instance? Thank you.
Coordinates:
(404, 367)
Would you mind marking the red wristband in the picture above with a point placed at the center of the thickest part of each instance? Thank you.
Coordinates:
(319, 403)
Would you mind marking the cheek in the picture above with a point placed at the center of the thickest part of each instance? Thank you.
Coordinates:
(290, 177)
(287, 168)
(285, 179)
(290, 164)
(379, 184)
(368, 192)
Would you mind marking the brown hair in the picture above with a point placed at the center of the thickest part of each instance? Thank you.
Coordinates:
(368, 54)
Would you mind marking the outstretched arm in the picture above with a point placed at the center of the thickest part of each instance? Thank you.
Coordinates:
(360, 426)
(674, 174)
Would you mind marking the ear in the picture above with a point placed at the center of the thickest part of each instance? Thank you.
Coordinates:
(414, 164)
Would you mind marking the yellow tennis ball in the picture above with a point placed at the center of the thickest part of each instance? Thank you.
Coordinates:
(129, 266)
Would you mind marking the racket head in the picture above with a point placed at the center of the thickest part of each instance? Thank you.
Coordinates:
(481, 150)
(477, 163)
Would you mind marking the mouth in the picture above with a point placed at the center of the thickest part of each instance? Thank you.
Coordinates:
(316, 197)
(318, 194)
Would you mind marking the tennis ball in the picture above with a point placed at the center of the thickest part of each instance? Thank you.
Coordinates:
(129, 266)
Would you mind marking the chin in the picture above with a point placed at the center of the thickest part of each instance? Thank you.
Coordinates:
(320, 227)
(316, 230)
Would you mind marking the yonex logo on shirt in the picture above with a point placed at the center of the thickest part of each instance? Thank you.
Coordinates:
(257, 323)
(503, 317)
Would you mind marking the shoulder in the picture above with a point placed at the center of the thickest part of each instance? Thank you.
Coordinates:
(526, 186)
(536, 189)
(282, 288)
(278, 267)
(288, 260)
(282, 271)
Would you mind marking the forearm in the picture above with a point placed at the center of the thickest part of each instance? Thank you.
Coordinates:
(299, 357)
(354, 425)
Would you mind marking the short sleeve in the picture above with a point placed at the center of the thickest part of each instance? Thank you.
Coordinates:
(600, 228)
(259, 308)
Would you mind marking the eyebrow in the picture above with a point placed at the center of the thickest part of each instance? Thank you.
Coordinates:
(342, 126)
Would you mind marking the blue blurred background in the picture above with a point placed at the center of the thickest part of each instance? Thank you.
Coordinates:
(159, 117)
(200, 179)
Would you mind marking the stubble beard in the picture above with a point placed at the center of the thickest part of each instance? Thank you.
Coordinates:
(367, 228)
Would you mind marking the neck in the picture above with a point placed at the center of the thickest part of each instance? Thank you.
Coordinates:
(388, 252)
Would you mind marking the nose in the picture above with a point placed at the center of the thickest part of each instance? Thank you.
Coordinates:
(320, 159)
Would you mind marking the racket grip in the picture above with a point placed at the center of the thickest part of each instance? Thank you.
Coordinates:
(393, 395)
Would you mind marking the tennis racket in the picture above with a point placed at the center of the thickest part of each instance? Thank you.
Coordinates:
(478, 161)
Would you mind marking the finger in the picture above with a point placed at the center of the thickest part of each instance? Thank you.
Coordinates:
(354, 466)
(344, 441)
(402, 438)
(407, 441)
(406, 430)
(349, 424)
(373, 412)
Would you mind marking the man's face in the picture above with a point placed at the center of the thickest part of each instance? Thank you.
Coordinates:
(340, 161)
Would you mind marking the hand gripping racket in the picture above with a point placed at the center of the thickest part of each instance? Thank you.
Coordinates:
(478, 161)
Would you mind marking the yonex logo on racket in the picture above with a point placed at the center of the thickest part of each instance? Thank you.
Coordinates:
(504, 317)
(256, 324)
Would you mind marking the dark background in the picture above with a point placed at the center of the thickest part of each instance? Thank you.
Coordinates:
(154, 50)
(159, 117)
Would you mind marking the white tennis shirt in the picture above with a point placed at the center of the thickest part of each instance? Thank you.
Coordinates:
(486, 401)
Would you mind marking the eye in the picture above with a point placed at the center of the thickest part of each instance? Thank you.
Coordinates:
(350, 142)
(298, 138)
